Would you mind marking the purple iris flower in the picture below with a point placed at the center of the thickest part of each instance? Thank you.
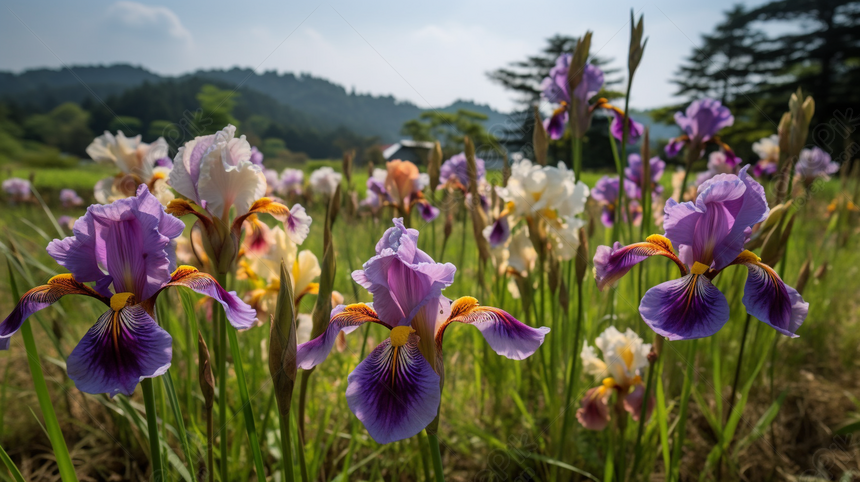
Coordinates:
(634, 172)
(164, 162)
(292, 182)
(555, 89)
(606, 193)
(396, 390)
(719, 162)
(814, 163)
(69, 198)
(256, 156)
(127, 250)
(709, 234)
(456, 170)
(17, 189)
(701, 122)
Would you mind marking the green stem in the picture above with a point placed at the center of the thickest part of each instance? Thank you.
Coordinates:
(210, 444)
(152, 425)
(738, 367)
(221, 326)
(572, 379)
(643, 414)
(286, 449)
(52, 425)
(682, 415)
(576, 147)
(436, 456)
(247, 410)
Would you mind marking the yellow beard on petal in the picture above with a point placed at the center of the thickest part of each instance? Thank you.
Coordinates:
(119, 300)
(699, 268)
(400, 335)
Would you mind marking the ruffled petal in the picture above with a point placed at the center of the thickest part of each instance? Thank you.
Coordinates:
(223, 185)
(297, 223)
(239, 313)
(39, 298)
(685, 308)
(611, 264)
(394, 391)
(594, 414)
(119, 351)
(769, 299)
(633, 403)
(506, 335)
(343, 319)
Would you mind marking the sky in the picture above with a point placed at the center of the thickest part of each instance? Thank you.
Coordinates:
(431, 54)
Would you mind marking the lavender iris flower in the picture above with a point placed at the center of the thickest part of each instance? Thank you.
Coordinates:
(396, 390)
(555, 89)
(606, 193)
(455, 171)
(256, 156)
(701, 122)
(814, 163)
(709, 234)
(69, 198)
(127, 251)
(17, 189)
(634, 172)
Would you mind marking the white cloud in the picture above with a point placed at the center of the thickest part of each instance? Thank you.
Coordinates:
(151, 18)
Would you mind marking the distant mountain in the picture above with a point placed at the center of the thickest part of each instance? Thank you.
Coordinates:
(328, 104)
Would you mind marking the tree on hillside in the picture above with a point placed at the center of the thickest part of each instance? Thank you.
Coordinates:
(756, 58)
(723, 66)
(216, 109)
(450, 129)
(65, 127)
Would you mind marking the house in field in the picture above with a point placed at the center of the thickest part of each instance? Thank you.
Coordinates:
(408, 150)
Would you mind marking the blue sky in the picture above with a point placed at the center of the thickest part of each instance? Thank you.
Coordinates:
(431, 53)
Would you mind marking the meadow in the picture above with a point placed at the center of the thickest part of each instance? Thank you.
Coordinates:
(585, 361)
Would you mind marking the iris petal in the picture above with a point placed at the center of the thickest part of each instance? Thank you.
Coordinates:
(769, 299)
(610, 264)
(594, 414)
(394, 391)
(506, 335)
(120, 350)
(239, 313)
(39, 298)
(343, 319)
(633, 403)
(685, 308)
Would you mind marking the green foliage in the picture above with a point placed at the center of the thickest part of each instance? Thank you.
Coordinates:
(130, 126)
(216, 109)
(65, 127)
(450, 129)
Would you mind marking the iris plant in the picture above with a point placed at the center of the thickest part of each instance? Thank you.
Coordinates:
(138, 163)
(396, 390)
(126, 250)
(709, 234)
(555, 89)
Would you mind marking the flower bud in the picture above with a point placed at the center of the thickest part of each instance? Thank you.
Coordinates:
(582, 256)
(434, 165)
(803, 276)
(282, 344)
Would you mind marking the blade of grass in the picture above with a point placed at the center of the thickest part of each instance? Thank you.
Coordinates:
(52, 425)
(16, 474)
(247, 410)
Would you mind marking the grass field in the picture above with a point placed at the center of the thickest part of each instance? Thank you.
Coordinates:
(500, 419)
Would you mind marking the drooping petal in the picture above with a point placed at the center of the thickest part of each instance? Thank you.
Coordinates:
(556, 123)
(296, 221)
(633, 402)
(611, 264)
(39, 298)
(120, 350)
(594, 414)
(498, 233)
(394, 391)
(506, 335)
(685, 308)
(239, 313)
(427, 211)
(769, 299)
(675, 145)
(343, 319)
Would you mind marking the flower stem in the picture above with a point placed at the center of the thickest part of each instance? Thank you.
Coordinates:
(643, 414)
(286, 449)
(433, 438)
(210, 444)
(572, 378)
(52, 425)
(738, 367)
(221, 326)
(152, 425)
(682, 416)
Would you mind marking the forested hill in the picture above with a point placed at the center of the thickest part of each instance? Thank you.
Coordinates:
(307, 100)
